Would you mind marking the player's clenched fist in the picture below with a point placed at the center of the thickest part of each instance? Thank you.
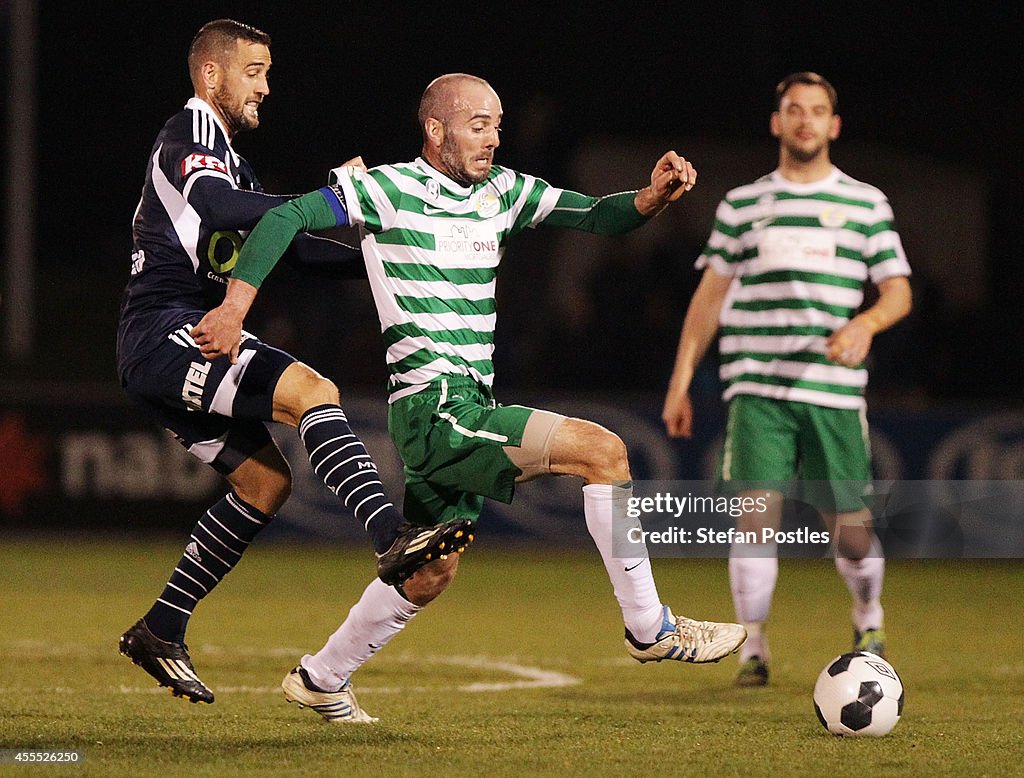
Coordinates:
(672, 176)
(675, 174)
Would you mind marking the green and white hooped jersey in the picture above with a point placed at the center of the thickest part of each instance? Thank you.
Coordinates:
(800, 255)
(432, 248)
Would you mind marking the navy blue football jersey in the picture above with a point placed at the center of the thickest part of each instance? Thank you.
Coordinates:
(199, 202)
(185, 241)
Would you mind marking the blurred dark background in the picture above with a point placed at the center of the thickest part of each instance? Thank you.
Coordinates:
(931, 101)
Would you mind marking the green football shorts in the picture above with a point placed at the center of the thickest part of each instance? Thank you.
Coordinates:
(459, 446)
(769, 442)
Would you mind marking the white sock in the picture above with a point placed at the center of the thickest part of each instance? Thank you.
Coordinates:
(756, 643)
(752, 581)
(632, 578)
(864, 580)
(380, 614)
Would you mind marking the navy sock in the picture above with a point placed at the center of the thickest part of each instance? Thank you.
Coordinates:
(214, 548)
(339, 457)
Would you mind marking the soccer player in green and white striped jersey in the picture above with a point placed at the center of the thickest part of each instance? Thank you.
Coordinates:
(433, 233)
(432, 245)
(784, 276)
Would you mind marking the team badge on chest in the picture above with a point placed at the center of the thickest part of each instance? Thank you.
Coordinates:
(486, 204)
(833, 217)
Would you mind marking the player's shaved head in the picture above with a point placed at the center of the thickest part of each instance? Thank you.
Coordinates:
(442, 98)
(215, 42)
(460, 118)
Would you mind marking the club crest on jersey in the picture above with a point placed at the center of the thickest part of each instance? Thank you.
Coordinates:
(194, 162)
(433, 189)
(832, 216)
(487, 204)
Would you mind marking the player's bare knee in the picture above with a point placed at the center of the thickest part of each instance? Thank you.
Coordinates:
(299, 389)
(427, 583)
(323, 391)
(316, 390)
(607, 459)
(852, 534)
(853, 550)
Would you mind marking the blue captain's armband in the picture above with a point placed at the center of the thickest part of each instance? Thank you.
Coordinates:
(335, 199)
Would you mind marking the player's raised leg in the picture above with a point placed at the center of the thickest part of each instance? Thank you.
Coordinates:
(306, 400)
(653, 633)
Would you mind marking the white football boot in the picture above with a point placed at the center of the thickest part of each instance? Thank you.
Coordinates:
(338, 707)
(687, 640)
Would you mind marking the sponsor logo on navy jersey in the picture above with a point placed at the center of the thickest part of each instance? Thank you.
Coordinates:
(195, 380)
(194, 162)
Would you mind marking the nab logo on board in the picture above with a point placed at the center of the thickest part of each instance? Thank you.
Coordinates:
(130, 465)
(195, 162)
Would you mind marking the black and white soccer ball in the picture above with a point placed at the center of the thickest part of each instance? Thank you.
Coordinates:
(858, 695)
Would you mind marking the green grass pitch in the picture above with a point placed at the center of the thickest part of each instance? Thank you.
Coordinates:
(519, 669)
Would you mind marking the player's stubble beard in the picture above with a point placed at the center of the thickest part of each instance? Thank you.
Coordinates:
(804, 155)
(451, 158)
(233, 111)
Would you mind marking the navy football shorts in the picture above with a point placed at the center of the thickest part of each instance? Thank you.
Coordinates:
(215, 409)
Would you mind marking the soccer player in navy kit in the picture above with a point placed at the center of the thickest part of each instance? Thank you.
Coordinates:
(198, 203)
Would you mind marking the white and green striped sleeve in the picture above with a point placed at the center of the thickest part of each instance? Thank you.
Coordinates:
(371, 197)
(537, 202)
(724, 249)
(883, 249)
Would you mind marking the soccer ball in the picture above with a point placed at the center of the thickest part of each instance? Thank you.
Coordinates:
(858, 695)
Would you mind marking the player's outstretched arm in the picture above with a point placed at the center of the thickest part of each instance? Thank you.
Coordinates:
(219, 333)
(617, 214)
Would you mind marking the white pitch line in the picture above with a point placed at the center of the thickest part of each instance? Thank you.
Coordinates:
(525, 676)
(528, 678)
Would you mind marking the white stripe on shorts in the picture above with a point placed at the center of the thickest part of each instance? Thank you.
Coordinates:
(224, 399)
(207, 450)
(465, 431)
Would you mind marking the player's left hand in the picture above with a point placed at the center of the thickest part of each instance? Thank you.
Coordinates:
(849, 345)
(672, 176)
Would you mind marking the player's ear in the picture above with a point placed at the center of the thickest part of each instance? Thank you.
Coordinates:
(835, 127)
(434, 131)
(775, 124)
(210, 73)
